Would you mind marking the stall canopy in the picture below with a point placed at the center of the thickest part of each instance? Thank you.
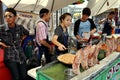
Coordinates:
(99, 6)
(35, 5)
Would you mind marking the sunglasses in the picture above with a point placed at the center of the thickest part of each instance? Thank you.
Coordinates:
(9, 16)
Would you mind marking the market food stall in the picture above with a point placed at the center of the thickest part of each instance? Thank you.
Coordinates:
(106, 69)
(109, 67)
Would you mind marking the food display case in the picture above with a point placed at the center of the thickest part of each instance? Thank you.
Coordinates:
(107, 69)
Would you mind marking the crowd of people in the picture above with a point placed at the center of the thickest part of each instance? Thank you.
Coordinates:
(13, 34)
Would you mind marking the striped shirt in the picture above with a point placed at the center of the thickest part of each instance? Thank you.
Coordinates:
(41, 31)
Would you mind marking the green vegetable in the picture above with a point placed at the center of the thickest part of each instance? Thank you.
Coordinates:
(101, 55)
(81, 68)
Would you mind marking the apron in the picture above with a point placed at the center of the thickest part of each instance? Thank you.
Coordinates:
(65, 43)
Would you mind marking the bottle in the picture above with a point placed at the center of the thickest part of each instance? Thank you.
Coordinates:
(43, 61)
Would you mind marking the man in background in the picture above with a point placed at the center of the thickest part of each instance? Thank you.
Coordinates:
(109, 24)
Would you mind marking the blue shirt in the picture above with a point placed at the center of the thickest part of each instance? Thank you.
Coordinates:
(84, 27)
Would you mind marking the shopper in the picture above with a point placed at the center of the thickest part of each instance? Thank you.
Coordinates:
(60, 38)
(42, 35)
(11, 37)
(84, 25)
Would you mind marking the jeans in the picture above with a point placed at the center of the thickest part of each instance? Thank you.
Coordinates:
(17, 70)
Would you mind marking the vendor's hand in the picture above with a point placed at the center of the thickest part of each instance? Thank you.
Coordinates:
(62, 48)
(84, 39)
(91, 32)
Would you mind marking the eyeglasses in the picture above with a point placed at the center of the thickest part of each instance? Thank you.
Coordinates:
(9, 16)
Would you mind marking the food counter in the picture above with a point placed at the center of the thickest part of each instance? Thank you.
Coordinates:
(32, 72)
(52, 71)
(107, 69)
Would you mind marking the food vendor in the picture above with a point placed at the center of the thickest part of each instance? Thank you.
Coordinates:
(84, 26)
(60, 38)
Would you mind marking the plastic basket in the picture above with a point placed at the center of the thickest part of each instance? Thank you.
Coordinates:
(42, 76)
(56, 71)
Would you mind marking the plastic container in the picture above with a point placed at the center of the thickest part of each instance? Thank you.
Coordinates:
(69, 74)
(52, 71)
(42, 76)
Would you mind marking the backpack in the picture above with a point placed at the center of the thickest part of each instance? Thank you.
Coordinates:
(33, 62)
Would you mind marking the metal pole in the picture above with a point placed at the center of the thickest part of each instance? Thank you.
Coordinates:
(1, 13)
(101, 6)
(52, 5)
(57, 18)
(35, 6)
(119, 12)
(17, 3)
(61, 11)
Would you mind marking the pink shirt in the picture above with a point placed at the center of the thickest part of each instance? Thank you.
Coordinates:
(41, 31)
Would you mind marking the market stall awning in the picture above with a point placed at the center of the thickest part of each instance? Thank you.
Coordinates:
(95, 6)
(35, 5)
(99, 6)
